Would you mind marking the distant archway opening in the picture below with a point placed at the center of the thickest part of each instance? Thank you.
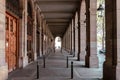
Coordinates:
(58, 43)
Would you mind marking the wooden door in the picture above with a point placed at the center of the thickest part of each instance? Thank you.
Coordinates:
(11, 42)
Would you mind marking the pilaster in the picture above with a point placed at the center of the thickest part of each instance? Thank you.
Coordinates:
(3, 65)
(118, 41)
(25, 58)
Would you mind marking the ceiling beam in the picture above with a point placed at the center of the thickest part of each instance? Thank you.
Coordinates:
(58, 12)
(57, 19)
(59, 24)
(71, 2)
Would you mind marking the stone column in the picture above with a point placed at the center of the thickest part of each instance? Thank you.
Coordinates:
(21, 34)
(3, 65)
(40, 35)
(118, 41)
(112, 41)
(91, 57)
(24, 34)
(71, 37)
(34, 35)
(82, 31)
(76, 34)
(83, 41)
(78, 56)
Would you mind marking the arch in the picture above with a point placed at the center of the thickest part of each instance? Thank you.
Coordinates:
(13, 7)
(30, 30)
(30, 4)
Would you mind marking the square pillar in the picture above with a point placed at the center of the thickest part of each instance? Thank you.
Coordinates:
(109, 66)
(34, 36)
(82, 31)
(118, 41)
(91, 56)
(83, 41)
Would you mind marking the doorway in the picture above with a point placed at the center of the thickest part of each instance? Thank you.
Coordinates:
(57, 43)
(11, 44)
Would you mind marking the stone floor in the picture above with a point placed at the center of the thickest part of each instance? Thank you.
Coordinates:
(56, 70)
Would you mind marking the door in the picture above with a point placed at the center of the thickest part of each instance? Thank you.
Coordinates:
(11, 42)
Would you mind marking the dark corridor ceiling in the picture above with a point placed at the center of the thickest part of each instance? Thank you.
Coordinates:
(58, 14)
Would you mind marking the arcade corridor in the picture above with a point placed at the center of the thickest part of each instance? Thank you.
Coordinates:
(56, 69)
(28, 29)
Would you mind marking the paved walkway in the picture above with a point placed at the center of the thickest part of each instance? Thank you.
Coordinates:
(56, 70)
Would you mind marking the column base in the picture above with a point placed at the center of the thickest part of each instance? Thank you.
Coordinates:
(78, 56)
(87, 57)
(35, 56)
(75, 54)
(3, 72)
(94, 63)
(25, 61)
(91, 61)
(82, 55)
(109, 71)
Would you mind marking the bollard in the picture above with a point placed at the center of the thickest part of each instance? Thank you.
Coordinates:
(44, 61)
(72, 70)
(67, 62)
(37, 70)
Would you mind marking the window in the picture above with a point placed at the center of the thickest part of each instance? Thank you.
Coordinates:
(11, 25)
(7, 23)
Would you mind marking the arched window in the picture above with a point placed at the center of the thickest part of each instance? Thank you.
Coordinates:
(13, 6)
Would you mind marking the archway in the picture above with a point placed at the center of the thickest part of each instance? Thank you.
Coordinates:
(57, 43)
(12, 34)
(30, 19)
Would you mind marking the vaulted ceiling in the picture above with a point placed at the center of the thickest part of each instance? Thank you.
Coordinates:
(58, 14)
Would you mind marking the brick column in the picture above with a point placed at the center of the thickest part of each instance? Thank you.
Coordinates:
(112, 41)
(3, 65)
(91, 56)
(82, 31)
